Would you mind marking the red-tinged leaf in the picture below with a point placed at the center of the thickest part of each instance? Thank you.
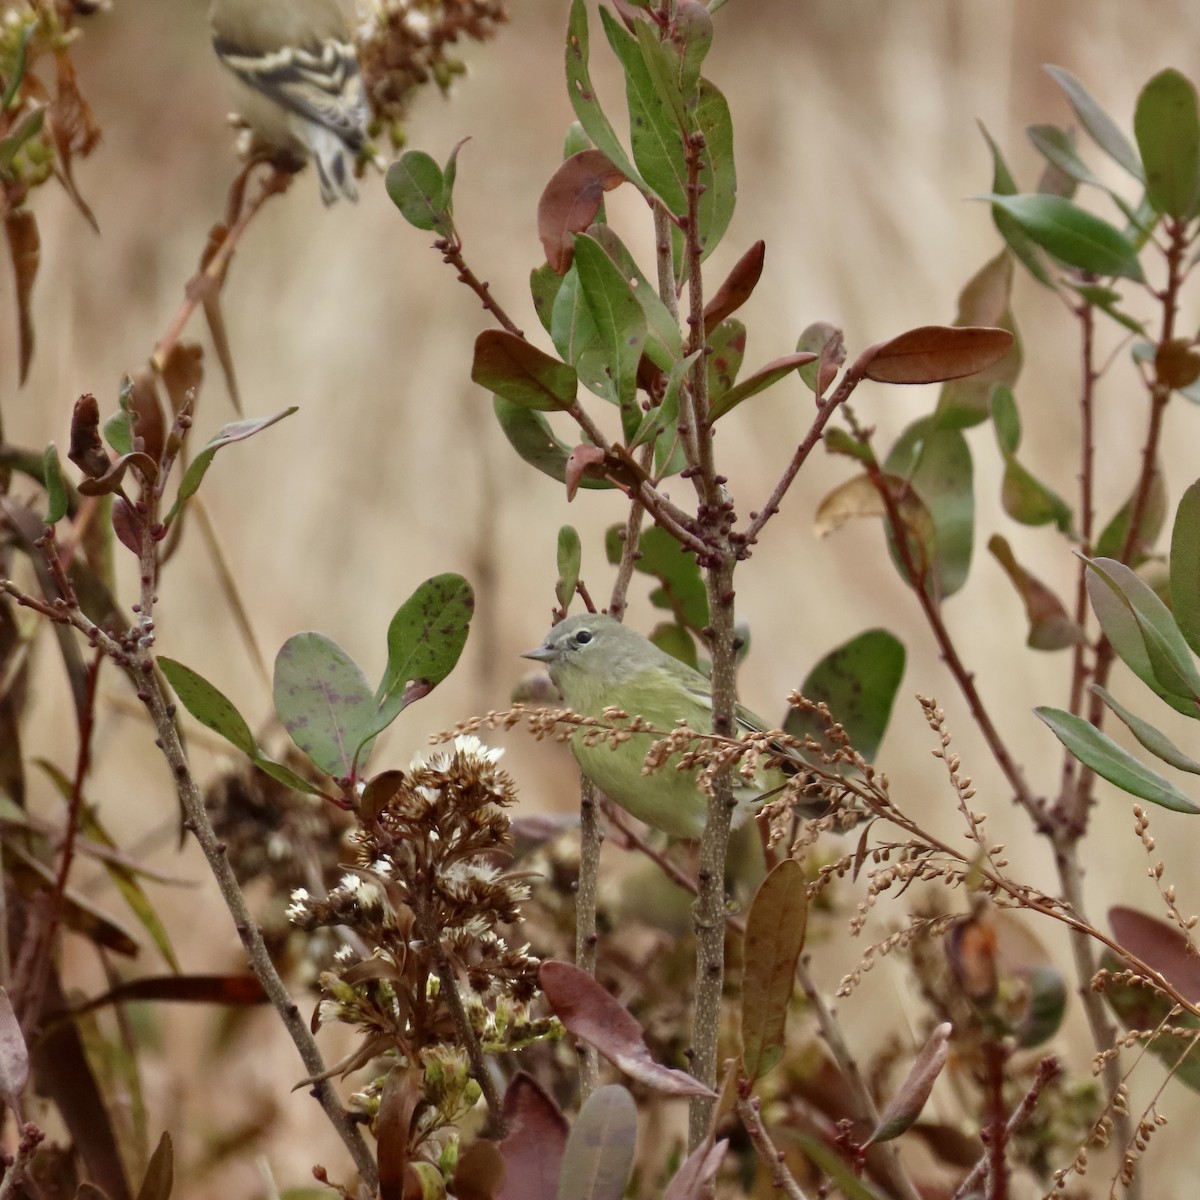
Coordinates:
(583, 461)
(479, 1173)
(1162, 947)
(738, 287)
(935, 353)
(907, 1103)
(397, 1105)
(1050, 626)
(160, 1171)
(1177, 363)
(537, 1136)
(775, 929)
(762, 379)
(599, 1154)
(590, 1013)
(230, 991)
(25, 252)
(699, 1169)
(570, 201)
(14, 1054)
(127, 525)
(517, 370)
(106, 484)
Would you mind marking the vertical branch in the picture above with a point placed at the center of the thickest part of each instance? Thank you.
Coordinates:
(590, 838)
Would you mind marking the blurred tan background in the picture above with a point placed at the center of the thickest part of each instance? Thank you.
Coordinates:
(857, 154)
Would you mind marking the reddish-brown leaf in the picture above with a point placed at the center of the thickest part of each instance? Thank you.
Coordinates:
(537, 1136)
(1177, 363)
(182, 373)
(738, 287)
(1160, 946)
(907, 1103)
(101, 485)
(583, 460)
(87, 450)
(570, 202)
(146, 414)
(397, 1104)
(935, 353)
(160, 1171)
(698, 1169)
(73, 130)
(25, 252)
(590, 1013)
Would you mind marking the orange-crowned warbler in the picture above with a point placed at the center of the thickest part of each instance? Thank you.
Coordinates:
(597, 663)
(298, 87)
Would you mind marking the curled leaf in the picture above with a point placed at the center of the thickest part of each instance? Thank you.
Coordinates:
(570, 201)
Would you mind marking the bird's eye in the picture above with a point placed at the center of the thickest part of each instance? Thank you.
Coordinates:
(583, 637)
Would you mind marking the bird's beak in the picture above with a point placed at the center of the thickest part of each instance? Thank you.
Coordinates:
(541, 654)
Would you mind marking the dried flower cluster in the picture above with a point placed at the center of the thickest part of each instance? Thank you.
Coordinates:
(420, 911)
(404, 44)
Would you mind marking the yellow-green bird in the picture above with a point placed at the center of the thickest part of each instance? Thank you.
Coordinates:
(598, 663)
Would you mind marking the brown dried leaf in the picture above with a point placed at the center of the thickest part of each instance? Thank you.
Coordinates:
(24, 250)
(160, 1172)
(73, 130)
(935, 353)
(182, 373)
(479, 1173)
(1160, 946)
(146, 414)
(1050, 626)
(102, 485)
(87, 449)
(570, 201)
(1177, 363)
(697, 1171)
(738, 287)
(590, 1013)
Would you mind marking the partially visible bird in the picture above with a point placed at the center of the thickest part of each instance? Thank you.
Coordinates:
(598, 663)
(298, 87)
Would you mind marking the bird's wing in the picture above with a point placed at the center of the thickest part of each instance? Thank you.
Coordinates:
(320, 84)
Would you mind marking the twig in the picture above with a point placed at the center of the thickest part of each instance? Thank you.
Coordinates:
(764, 1147)
(590, 838)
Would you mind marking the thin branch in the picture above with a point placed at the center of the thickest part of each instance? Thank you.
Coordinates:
(773, 1159)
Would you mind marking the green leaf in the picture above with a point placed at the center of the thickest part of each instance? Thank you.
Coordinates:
(1166, 124)
(1006, 421)
(1050, 628)
(1030, 501)
(19, 60)
(544, 282)
(619, 321)
(56, 487)
(1057, 147)
(575, 336)
(583, 97)
(937, 463)
(717, 176)
(664, 343)
(1073, 235)
(425, 639)
(237, 431)
(681, 589)
(211, 707)
(530, 435)
(1185, 566)
(517, 370)
(323, 701)
(775, 931)
(1152, 739)
(1003, 184)
(727, 346)
(570, 557)
(598, 1157)
(661, 423)
(416, 186)
(655, 135)
(1168, 653)
(1112, 539)
(762, 379)
(28, 127)
(858, 682)
(216, 712)
(1100, 126)
(1101, 754)
(662, 65)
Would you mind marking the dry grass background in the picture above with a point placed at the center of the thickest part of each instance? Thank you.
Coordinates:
(857, 150)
